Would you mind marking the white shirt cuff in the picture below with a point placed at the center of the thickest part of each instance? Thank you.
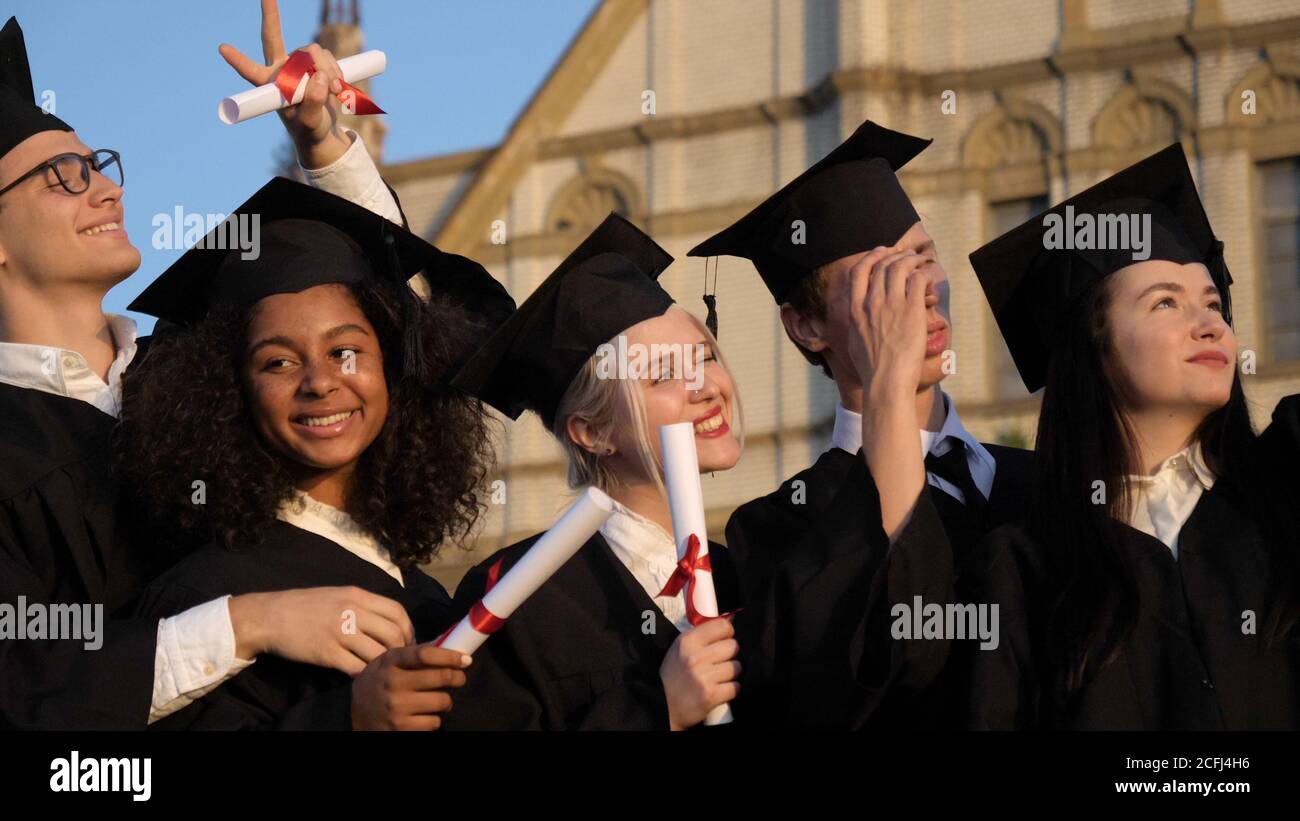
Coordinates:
(196, 654)
(354, 177)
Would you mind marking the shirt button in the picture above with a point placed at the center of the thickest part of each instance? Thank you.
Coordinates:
(69, 362)
(1207, 684)
(207, 669)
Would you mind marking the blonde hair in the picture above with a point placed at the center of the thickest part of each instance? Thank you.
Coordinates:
(605, 403)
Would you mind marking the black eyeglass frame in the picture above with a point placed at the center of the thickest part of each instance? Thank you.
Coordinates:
(89, 162)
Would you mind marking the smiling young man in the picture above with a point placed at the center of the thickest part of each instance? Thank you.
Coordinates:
(812, 554)
(65, 535)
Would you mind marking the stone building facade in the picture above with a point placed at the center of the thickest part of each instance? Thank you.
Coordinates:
(682, 115)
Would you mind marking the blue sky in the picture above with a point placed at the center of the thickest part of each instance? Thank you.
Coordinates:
(144, 77)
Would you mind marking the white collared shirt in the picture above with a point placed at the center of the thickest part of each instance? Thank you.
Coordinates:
(650, 554)
(336, 525)
(1164, 501)
(847, 436)
(196, 649)
(65, 373)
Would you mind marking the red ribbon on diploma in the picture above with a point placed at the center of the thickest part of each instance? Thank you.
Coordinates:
(355, 101)
(684, 576)
(480, 618)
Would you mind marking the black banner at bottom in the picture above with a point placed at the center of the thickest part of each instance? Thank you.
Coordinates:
(718, 768)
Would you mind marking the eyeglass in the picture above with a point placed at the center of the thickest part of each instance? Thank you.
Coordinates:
(73, 170)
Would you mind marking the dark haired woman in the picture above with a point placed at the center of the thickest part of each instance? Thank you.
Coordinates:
(298, 429)
(1154, 584)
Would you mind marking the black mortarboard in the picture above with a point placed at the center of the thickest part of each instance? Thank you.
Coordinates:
(849, 202)
(605, 286)
(1032, 287)
(20, 117)
(306, 237)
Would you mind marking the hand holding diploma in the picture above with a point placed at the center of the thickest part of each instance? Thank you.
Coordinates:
(294, 80)
(504, 594)
(694, 575)
(313, 122)
(407, 688)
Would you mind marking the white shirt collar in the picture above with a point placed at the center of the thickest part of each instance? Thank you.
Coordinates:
(328, 522)
(1190, 461)
(847, 436)
(1164, 500)
(65, 373)
(650, 554)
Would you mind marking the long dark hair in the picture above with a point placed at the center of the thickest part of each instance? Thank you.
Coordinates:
(185, 419)
(1084, 438)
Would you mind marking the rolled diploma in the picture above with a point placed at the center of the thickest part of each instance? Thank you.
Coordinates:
(578, 524)
(264, 99)
(686, 503)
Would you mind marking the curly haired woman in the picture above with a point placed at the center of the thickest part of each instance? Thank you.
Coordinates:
(295, 432)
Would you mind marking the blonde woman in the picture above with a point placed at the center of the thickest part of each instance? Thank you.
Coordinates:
(603, 356)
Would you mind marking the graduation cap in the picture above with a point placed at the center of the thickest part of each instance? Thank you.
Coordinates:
(605, 286)
(1034, 274)
(306, 237)
(20, 117)
(849, 202)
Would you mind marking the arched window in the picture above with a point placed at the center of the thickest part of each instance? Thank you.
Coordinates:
(582, 202)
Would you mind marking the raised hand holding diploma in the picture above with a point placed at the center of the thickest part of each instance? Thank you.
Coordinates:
(290, 87)
(504, 594)
(686, 503)
(313, 122)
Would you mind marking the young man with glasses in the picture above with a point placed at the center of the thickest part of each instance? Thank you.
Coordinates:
(66, 536)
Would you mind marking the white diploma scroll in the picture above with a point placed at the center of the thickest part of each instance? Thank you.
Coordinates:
(264, 99)
(686, 503)
(578, 524)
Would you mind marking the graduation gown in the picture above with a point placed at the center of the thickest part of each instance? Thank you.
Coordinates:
(821, 581)
(1188, 664)
(275, 693)
(582, 653)
(65, 537)
(760, 533)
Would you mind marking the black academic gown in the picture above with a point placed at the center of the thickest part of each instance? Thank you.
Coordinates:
(821, 581)
(275, 693)
(582, 653)
(65, 537)
(762, 532)
(1187, 665)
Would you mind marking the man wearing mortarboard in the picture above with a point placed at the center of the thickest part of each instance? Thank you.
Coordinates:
(820, 558)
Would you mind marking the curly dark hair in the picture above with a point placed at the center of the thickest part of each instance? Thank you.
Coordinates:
(185, 419)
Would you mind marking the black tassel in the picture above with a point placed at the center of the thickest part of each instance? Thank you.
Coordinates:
(1222, 277)
(711, 318)
(711, 299)
(414, 363)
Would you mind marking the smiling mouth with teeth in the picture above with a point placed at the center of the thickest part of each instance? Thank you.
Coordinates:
(99, 229)
(322, 421)
(712, 423)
